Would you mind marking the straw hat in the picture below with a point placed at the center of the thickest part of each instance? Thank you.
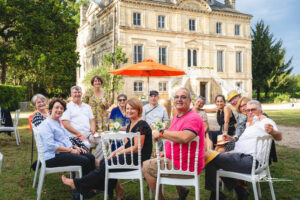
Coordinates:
(210, 155)
(220, 140)
(232, 94)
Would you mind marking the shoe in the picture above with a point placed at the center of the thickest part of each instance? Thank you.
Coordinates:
(183, 193)
(213, 196)
(75, 195)
(241, 192)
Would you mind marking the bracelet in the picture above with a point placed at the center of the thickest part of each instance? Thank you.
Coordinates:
(70, 150)
(79, 136)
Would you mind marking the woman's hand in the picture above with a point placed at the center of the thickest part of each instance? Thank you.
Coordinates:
(81, 150)
(227, 137)
(75, 151)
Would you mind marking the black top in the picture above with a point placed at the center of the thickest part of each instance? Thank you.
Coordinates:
(37, 119)
(142, 127)
(231, 125)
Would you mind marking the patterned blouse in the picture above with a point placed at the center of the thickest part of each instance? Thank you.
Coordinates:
(98, 107)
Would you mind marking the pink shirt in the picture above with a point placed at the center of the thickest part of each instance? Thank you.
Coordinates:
(191, 121)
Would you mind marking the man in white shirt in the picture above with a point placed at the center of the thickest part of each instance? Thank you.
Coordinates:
(153, 111)
(79, 120)
(241, 158)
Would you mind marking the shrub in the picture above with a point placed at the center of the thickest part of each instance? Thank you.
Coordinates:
(11, 95)
(281, 98)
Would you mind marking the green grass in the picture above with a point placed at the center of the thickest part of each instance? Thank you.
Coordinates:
(16, 179)
(285, 117)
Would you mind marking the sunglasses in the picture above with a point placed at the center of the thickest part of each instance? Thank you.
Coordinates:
(122, 100)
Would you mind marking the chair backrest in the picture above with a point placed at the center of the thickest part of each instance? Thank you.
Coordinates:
(262, 154)
(17, 115)
(185, 153)
(110, 139)
(39, 145)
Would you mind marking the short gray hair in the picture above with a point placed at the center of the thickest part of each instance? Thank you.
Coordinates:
(256, 103)
(201, 97)
(37, 96)
(78, 88)
(187, 91)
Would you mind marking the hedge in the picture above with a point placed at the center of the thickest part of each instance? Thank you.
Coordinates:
(11, 95)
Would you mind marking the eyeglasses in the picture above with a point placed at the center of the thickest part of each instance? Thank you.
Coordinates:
(251, 110)
(180, 97)
(122, 100)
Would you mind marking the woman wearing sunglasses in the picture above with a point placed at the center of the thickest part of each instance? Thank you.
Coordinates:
(118, 113)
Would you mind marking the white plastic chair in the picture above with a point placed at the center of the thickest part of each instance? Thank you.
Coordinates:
(260, 171)
(14, 128)
(136, 172)
(49, 170)
(193, 180)
(1, 158)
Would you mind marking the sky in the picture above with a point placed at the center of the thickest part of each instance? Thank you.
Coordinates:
(283, 17)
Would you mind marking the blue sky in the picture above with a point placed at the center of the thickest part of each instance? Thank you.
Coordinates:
(283, 16)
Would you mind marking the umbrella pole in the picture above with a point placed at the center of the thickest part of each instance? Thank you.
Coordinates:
(148, 84)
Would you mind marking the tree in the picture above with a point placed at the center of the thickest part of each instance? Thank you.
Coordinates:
(269, 69)
(45, 44)
(112, 83)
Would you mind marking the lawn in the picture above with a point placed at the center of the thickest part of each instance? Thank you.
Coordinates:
(16, 178)
(285, 117)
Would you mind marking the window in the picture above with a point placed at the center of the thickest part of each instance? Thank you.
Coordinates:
(192, 57)
(162, 86)
(138, 53)
(220, 61)
(94, 61)
(162, 55)
(219, 28)
(137, 19)
(192, 25)
(238, 62)
(237, 29)
(138, 86)
(94, 33)
(161, 21)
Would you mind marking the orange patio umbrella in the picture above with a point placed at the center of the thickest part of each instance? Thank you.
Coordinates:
(148, 68)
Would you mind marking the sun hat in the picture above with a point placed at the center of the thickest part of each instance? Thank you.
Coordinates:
(232, 94)
(210, 155)
(220, 140)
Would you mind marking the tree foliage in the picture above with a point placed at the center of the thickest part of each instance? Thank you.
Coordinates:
(42, 40)
(112, 83)
(270, 71)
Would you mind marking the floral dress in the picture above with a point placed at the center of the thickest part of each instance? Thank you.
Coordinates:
(98, 107)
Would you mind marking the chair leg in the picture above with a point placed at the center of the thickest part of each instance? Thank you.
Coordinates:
(272, 189)
(18, 136)
(17, 139)
(150, 193)
(36, 172)
(255, 190)
(259, 190)
(197, 196)
(79, 175)
(106, 187)
(217, 186)
(157, 188)
(141, 188)
(40, 185)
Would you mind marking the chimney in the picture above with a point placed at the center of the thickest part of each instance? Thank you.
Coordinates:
(83, 9)
(230, 3)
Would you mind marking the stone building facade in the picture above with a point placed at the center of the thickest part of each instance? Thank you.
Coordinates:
(209, 40)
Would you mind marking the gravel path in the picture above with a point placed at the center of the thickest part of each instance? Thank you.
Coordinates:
(290, 134)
